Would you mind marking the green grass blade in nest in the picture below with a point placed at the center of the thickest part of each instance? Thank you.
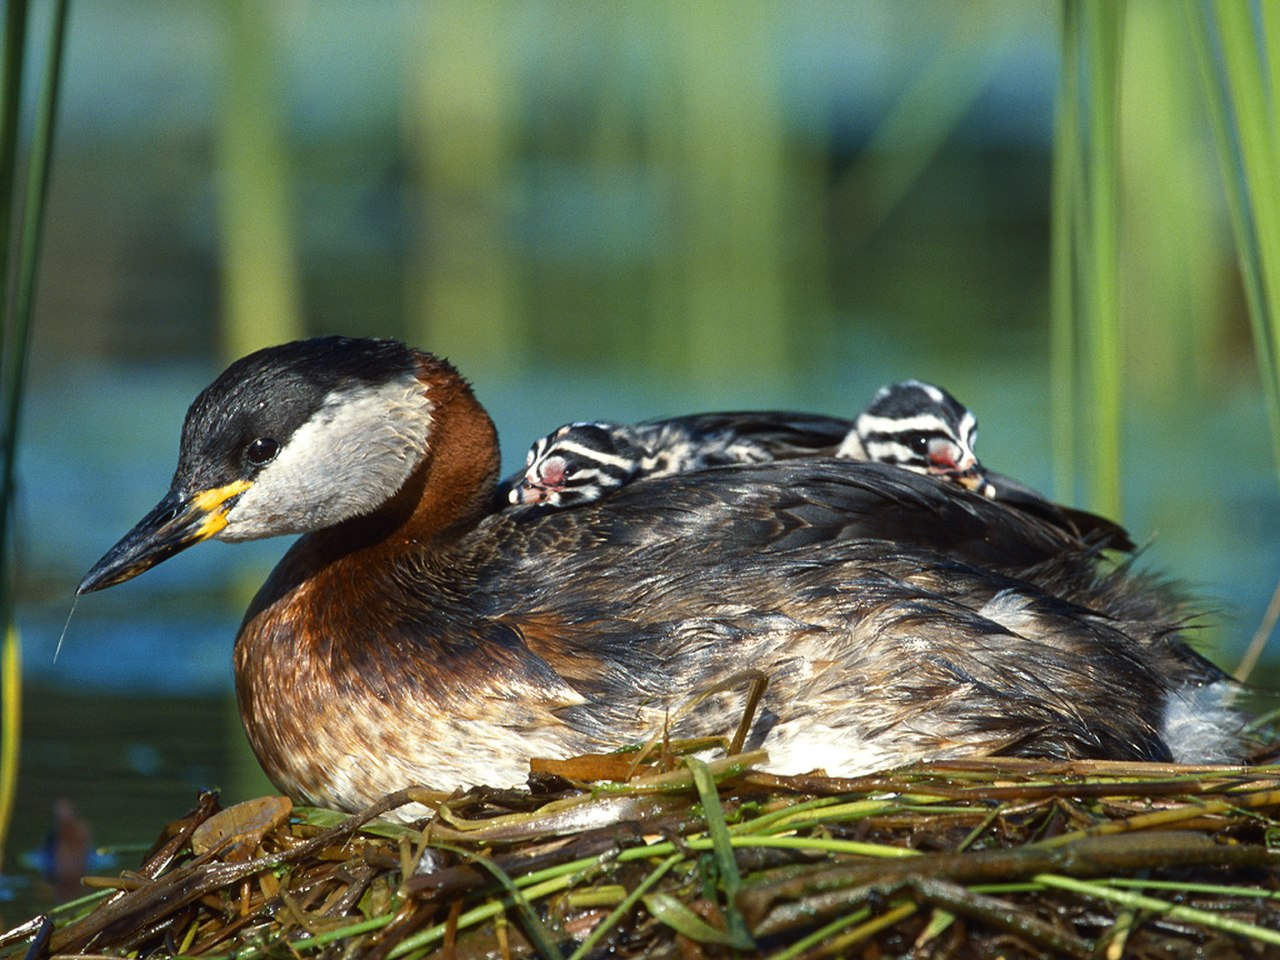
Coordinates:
(940, 921)
(1185, 887)
(470, 918)
(825, 810)
(726, 863)
(667, 909)
(897, 911)
(802, 946)
(533, 926)
(622, 909)
(342, 933)
(854, 848)
(1204, 918)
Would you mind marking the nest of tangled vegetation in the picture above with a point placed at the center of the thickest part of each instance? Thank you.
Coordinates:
(673, 856)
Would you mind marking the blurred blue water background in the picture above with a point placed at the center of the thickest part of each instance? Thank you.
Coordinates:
(597, 212)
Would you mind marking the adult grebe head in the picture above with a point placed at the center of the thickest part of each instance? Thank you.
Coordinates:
(287, 440)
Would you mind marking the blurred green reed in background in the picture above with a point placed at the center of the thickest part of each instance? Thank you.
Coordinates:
(1238, 48)
(21, 219)
(1138, 287)
(641, 185)
(1086, 270)
(716, 239)
(260, 302)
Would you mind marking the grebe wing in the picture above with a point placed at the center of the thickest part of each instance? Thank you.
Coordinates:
(1088, 526)
(791, 504)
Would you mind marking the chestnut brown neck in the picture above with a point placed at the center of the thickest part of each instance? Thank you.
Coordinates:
(330, 621)
(449, 492)
(454, 486)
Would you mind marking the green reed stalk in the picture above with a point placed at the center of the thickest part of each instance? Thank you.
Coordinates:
(465, 103)
(1067, 185)
(734, 164)
(1171, 291)
(1085, 279)
(15, 32)
(10, 726)
(1098, 257)
(1241, 91)
(260, 282)
(17, 295)
(1242, 85)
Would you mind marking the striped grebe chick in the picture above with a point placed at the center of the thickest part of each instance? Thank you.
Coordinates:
(582, 461)
(919, 426)
(414, 635)
(914, 425)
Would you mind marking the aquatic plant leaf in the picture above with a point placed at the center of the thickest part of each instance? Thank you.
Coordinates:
(667, 909)
(237, 831)
(726, 863)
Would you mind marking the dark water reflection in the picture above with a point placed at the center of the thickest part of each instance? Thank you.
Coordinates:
(136, 714)
(127, 763)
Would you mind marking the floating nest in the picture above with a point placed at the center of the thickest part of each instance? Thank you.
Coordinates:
(677, 857)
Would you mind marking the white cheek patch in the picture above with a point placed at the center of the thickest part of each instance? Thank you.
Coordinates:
(851, 447)
(347, 460)
(869, 423)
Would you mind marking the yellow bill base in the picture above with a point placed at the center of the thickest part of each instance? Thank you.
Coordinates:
(212, 504)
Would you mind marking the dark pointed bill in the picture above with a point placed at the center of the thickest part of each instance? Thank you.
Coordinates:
(177, 522)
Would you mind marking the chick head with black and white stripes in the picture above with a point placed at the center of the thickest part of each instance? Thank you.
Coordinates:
(920, 426)
(578, 463)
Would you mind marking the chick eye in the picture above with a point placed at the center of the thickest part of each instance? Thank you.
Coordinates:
(262, 451)
(919, 443)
